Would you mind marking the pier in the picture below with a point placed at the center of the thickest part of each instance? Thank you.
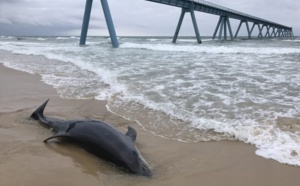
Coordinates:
(272, 29)
(223, 27)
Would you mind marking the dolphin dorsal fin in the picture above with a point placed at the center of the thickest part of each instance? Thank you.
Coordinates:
(131, 133)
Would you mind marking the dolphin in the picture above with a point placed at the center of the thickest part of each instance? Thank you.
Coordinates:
(100, 139)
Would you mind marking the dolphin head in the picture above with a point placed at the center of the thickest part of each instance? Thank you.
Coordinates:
(134, 161)
(138, 164)
(144, 168)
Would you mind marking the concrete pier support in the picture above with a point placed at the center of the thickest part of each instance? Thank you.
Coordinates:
(289, 33)
(222, 25)
(86, 20)
(258, 26)
(252, 28)
(191, 11)
(260, 35)
(179, 25)
(273, 32)
(268, 31)
(279, 32)
(286, 33)
(248, 30)
(108, 18)
(110, 24)
(283, 33)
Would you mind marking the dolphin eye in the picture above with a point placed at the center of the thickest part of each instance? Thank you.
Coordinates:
(135, 154)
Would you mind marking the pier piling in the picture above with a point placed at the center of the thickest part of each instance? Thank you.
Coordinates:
(86, 20)
(108, 19)
(222, 26)
(191, 11)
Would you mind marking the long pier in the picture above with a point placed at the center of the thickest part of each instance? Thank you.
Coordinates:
(223, 25)
(272, 29)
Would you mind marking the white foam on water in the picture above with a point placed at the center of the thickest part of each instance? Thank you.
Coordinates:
(105, 77)
(271, 142)
(292, 40)
(74, 37)
(16, 67)
(152, 39)
(64, 38)
(11, 37)
(187, 40)
(41, 39)
(254, 114)
(212, 50)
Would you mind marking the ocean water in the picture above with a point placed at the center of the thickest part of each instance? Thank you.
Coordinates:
(246, 90)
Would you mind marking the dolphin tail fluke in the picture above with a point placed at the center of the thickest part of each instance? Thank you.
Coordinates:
(38, 114)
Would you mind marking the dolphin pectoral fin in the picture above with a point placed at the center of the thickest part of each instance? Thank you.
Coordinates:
(131, 133)
(58, 135)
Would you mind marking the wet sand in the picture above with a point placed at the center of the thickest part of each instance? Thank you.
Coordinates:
(26, 160)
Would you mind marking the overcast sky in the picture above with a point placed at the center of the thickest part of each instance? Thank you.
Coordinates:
(131, 17)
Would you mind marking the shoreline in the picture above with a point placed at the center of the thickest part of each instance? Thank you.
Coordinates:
(23, 154)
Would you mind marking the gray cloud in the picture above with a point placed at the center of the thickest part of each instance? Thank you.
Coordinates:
(131, 17)
(9, 1)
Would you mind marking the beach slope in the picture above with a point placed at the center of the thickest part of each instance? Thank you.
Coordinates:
(26, 160)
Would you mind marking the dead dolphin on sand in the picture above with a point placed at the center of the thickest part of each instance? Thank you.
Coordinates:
(100, 139)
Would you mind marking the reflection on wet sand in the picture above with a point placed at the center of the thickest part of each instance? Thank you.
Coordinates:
(86, 162)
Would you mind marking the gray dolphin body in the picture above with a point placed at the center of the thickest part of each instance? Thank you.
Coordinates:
(100, 139)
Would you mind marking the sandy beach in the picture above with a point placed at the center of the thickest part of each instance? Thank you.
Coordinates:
(25, 160)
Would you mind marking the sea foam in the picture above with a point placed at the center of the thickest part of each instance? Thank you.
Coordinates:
(212, 50)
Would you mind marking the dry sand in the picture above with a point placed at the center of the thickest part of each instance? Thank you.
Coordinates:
(26, 161)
